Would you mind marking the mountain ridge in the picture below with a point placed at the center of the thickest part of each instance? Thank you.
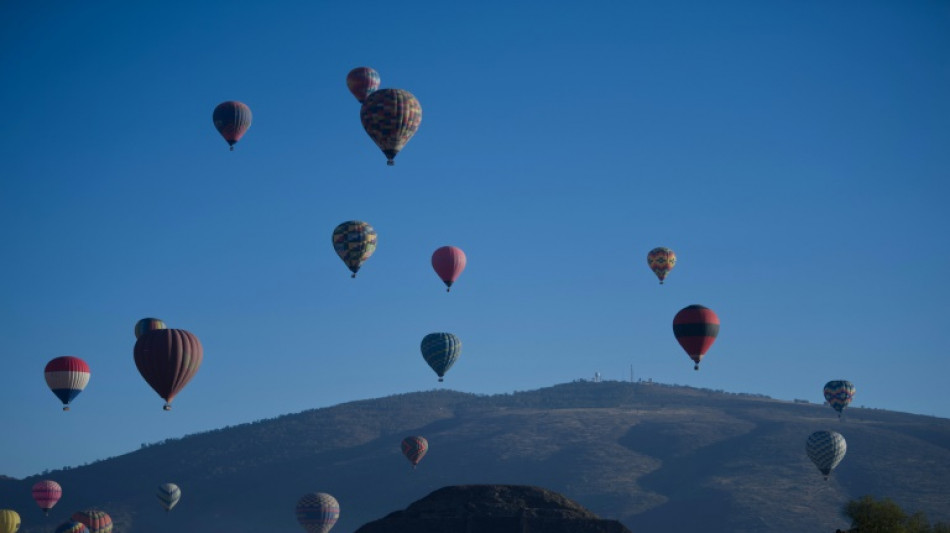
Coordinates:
(647, 454)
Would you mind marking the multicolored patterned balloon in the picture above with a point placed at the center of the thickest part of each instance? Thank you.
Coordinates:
(391, 117)
(415, 448)
(441, 350)
(661, 261)
(696, 328)
(72, 526)
(448, 262)
(9, 521)
(317, 512)
(362, 81)
(168, 359)
(96, 521)
(838, 394)
(826, 449)
(354, 241)
(46, 493)
(168, 495)
(232, 119)
(148, 324)
(67, 376)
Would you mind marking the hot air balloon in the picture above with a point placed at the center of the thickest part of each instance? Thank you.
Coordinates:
(232, 119)
(168, 359)
(9, 521)
(47, 493)
(826, 449)
(448, 262)
(67, 376)
(362, 81)
(441, 350)
(838, 394)
(168, 495)
(354, 241)
(317, 512)
(696, 328)
(96, 521)
(148, 324)
(72, 526)
(414, 448)
(391, 117)
(661, 261)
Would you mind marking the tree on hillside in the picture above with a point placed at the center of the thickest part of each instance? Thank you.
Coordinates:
(885, 516)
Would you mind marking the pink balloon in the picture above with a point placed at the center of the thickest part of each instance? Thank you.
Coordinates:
(47, 493)
(448, 262)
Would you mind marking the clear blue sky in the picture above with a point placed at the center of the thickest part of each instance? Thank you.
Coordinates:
(794, 154)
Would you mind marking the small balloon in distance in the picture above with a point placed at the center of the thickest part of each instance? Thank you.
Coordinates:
(232, 120)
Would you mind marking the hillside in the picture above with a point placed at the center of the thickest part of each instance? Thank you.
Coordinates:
(655, 457)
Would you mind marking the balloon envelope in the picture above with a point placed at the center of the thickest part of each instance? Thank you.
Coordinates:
(232, 119)
(168, 495)
(46, 493)
(67, 376)
(354, 241)
(168, 359)
(826, 449)
(148, 324)
(362, 81)
(317, 512)
(448, 262)
(441, 350)
(696, 328)
(838, 394)
(415, 448)
(9, 521)
(391, 117)
(96, 521)
(72, 526)
(661, 261)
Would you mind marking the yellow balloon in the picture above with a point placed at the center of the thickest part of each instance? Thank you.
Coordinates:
(9, 521)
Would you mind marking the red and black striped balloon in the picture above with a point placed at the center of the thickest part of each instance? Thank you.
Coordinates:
(168, 359)
(232, 119)
(414, 448)
(696, 328)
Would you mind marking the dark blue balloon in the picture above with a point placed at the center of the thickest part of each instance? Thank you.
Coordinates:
(441, 350)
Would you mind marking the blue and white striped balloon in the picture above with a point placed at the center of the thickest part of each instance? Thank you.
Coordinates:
(168, 495)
